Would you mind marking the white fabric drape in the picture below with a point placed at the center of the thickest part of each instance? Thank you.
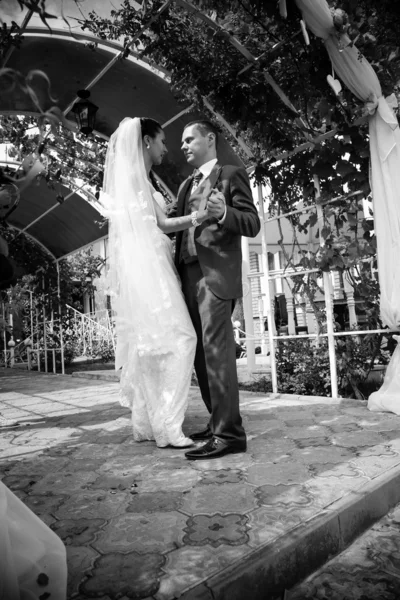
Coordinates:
(360, 78)
(29, 550)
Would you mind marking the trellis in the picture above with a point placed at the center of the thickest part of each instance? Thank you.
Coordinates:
(310, 142)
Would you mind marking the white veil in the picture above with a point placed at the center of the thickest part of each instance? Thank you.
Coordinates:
(136, 278)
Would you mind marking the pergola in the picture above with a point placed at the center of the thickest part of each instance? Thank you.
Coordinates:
(131, 87)
(120, 88)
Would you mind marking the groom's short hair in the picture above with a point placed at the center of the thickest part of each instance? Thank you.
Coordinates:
(205, 127)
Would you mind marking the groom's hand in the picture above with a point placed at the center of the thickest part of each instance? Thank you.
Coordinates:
(216, 204)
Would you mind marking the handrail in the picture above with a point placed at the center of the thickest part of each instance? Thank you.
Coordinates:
(84, 316)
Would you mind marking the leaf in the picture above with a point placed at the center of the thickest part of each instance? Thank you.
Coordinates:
(367, 224)
(324, 108)
(325, 232)
(352, 219)
(34, 7)
(344, 168)
(324, 170)
(337, 261)
(313, 219)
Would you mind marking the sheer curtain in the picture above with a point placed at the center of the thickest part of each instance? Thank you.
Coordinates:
(33, 560)
(359, 76)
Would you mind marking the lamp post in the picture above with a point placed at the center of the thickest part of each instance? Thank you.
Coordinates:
(85, 112)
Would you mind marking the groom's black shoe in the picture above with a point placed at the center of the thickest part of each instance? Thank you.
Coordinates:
(202, 435)
(215, 448)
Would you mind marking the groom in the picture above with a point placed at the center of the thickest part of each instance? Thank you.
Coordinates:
(209, 261)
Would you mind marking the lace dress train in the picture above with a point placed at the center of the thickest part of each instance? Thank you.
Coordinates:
(156, 385)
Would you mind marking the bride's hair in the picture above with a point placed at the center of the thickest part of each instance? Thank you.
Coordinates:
(152, 127)
(149, 127)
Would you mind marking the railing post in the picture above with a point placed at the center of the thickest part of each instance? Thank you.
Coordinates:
(4, 334)
(351, 304)
(28, 346)
(38, 339)
(46, 367)
(60, 325)
(247, 307)
(11, 345)
(83, 335)
(264, 345)
(264, 257)
(328, 297)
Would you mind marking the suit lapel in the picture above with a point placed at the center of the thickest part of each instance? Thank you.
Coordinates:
(214, 175)
(180, 208)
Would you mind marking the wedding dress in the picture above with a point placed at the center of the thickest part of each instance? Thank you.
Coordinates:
(156, 386)
(156, 341)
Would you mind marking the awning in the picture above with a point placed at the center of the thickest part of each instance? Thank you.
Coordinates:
(66, 227)
(130, 87)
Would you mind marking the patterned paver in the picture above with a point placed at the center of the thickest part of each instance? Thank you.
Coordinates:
(143, 522)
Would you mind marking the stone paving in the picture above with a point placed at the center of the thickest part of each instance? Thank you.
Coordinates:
(143, 522)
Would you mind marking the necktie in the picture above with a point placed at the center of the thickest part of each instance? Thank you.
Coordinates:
(187, 254)
(197, 177)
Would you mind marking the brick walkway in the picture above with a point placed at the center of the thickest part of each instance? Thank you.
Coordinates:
(142, 522)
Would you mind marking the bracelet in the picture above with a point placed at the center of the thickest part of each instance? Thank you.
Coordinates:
(195, 222)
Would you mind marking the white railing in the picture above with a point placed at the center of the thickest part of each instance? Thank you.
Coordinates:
(21, 355)
(330, 334)
(87, 335)
(28, 353)
(89, 331)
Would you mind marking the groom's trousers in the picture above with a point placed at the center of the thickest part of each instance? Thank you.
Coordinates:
(215, 360)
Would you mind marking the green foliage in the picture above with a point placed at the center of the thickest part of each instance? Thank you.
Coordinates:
(79, 272)
(36, 271)
(10, 36)
(303, 368)
(205, 63)
(101, 349)
(262, 385)
(67, 157)
(303, 365)
(36, 6)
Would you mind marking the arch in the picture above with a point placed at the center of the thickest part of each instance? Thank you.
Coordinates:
(35, 240)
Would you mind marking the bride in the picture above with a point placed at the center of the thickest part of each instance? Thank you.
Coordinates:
(156, 341)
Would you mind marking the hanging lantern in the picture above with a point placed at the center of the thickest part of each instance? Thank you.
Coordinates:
(85, 112)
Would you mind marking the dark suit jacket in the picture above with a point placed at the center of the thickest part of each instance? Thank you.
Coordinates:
(219, 246)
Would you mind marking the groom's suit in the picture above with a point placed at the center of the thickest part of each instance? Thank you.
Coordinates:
(209, 261)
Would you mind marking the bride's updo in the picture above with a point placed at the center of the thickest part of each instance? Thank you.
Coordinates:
(149, 127)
